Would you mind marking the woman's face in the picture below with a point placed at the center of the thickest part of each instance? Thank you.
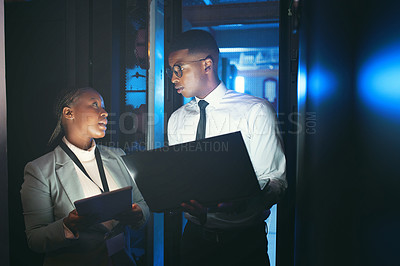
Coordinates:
(88, 119)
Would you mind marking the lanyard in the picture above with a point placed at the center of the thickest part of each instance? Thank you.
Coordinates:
(73, 157)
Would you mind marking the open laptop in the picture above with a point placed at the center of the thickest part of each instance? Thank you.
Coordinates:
(211, 171)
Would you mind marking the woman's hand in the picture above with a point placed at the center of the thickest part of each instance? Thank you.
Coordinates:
(132, 217)
(76, 223)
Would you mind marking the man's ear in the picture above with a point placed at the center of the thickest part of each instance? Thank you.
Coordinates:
(67, 113)
(208, 65)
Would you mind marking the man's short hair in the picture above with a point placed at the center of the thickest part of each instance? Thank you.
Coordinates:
(197, 41)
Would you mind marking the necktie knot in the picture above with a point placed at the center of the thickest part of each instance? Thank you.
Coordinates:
(202, 104)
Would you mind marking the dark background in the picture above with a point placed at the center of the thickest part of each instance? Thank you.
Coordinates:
(348, 176)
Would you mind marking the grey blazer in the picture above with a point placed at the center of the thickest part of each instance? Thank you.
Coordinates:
(51, 186)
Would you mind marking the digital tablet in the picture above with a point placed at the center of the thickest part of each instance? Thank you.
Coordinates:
(107, 205)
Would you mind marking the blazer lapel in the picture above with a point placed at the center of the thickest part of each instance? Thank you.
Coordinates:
(66, 174)
(114, 168)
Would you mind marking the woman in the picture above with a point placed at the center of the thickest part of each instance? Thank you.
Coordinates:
(53, 182)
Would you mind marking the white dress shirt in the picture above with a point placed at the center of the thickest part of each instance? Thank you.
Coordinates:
(230, 111)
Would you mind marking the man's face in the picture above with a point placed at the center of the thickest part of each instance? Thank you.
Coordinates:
(193, 81)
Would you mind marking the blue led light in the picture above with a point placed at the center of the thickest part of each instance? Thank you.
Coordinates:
(379, 81)
(301, 81)
(320, 84)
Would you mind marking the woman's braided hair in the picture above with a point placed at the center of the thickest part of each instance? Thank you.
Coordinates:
(65, 99)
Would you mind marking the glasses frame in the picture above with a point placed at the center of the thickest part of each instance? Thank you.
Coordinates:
(177, 68)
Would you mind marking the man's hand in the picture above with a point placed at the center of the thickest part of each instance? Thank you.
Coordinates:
(196, 209)
(233, 207)
(132, 217)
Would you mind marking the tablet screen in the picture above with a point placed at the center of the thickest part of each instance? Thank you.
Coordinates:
(106, 206)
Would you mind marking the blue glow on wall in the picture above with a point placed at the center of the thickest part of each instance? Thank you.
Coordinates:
(158, 256)
(301, 82)
(159, 84)
(320, 84)
(379, 81)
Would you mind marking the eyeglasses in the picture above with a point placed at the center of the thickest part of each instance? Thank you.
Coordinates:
(177, 68)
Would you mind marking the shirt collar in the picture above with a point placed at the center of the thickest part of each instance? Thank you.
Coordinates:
(214, 97)
(83, 155)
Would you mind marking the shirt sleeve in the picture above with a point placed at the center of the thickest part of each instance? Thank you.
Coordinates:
(266, 151)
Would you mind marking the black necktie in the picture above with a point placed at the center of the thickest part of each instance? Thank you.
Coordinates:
(201, 127)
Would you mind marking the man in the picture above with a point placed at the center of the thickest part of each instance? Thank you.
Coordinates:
(234, 233)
